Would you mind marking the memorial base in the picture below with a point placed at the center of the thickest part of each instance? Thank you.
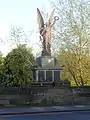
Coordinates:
(46, 75)
(46, 70)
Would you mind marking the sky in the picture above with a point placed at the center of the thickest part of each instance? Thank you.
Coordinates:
(20, 13)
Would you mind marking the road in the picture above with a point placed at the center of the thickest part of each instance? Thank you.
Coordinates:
(58, 113)
(60, 116)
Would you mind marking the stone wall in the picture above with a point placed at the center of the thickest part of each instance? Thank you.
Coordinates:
(45, 95)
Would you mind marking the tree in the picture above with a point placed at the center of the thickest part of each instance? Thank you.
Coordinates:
(72, 34)
(1, 61)
(18, 66)
(2, 76)
(76, 69)
(74, 23)
(18, 36)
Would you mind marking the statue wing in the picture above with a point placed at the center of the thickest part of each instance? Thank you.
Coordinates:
(48, 33)
(49, 22)
(40, 21)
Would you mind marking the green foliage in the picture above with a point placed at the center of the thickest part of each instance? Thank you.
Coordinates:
(1, 61)
(76, 67)
(73, 40)
(18, 66)
(2, 76)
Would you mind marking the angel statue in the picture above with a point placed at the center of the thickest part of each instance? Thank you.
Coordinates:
(45, 32)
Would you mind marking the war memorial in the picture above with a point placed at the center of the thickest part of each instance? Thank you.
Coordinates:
(70, 105)
(46, 70)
